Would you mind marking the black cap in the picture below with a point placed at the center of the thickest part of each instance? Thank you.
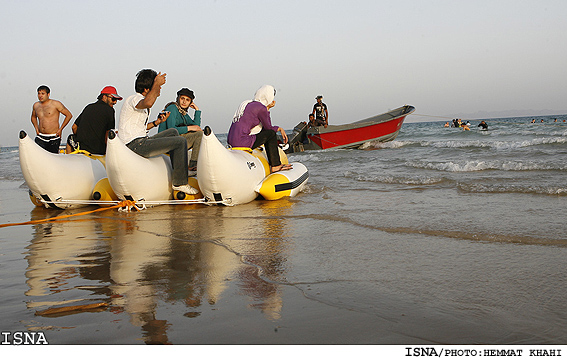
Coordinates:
(186, 92)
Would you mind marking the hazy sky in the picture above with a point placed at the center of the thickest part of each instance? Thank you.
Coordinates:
(449, 58)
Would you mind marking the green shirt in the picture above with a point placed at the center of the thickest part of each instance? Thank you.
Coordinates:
(178, 121)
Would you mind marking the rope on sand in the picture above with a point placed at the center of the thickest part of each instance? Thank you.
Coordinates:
(59, 218)
(123, 206)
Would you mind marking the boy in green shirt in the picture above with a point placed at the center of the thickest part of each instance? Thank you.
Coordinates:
(187, 127)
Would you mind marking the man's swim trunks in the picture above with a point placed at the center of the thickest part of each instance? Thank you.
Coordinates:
(49, 142)
(72, 142)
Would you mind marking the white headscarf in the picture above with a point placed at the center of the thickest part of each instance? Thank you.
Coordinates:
(264, 95)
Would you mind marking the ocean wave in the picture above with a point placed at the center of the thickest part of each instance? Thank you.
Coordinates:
(511, 188)
(556, 132)
(11, 177)
(489, 144)
(304, 157)
(528, 143)
(387, 145)
(390, 179)
(482, 165)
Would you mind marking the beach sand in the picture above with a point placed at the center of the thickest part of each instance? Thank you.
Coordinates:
(279, 272)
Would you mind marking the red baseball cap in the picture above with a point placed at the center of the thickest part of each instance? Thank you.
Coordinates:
(110, 90)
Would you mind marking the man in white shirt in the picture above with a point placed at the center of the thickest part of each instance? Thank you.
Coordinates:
(134, 127)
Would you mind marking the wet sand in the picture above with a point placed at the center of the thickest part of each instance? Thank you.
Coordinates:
(280, 272)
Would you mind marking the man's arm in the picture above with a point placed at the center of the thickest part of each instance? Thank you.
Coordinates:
(110, 125)
(61, 108)
(75, 125)
(34, 120)
(196, 118)
(153, 94)
(160, 119)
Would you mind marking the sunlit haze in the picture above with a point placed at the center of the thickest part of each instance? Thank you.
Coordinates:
(447, 58)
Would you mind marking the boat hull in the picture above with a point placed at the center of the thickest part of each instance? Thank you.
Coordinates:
(58, 180)
(382, 128)
(133, 177)
(235, 176)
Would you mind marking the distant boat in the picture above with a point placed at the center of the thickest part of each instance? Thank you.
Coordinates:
(381, 128)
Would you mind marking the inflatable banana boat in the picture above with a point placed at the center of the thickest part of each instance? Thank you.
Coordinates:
(139, 179)
(226, 176)
(237, 176)
(59, 180)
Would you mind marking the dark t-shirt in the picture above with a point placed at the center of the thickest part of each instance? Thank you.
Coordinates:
(320, 110)
(92, 124)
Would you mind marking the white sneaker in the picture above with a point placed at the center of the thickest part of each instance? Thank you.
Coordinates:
(186, 188)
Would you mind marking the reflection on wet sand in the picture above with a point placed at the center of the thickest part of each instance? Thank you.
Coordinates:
(269, 255)
(136, 262)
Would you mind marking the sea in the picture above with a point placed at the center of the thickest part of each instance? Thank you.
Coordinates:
(441, 237)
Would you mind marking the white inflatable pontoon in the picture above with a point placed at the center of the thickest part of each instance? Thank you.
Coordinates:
(58, 180)
(237, 176)
(225, 176)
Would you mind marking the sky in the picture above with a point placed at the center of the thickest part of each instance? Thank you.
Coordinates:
(446, 58)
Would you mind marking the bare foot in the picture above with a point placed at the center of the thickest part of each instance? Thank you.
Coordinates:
(281, 167)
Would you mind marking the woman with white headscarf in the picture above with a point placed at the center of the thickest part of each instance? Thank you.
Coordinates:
(254, 113)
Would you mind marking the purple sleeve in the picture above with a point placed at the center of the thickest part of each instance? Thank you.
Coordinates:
(264, 116)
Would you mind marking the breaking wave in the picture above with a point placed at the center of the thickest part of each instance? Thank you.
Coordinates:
(390, 179)
(388, 145)
(481, 165)
(508, 188)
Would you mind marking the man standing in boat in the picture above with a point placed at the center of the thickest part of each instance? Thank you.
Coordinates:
(320, 112)
(93, 124)
(134, 127)
(45, 120)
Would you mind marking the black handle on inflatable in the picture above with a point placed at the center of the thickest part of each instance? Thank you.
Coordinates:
(111, 134)
(23, 134)
(207, 131)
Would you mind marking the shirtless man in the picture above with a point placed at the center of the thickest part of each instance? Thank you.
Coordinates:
(45, 120)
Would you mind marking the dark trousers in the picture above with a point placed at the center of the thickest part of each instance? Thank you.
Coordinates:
(167, 141)
(270, 140)
(193, 142)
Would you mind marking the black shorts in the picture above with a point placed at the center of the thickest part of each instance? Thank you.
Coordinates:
(72, 142)
(50, 143)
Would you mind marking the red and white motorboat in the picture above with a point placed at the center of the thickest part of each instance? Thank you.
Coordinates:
(382, 128)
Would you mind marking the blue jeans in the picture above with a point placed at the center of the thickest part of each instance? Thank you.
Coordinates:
(164, 142)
